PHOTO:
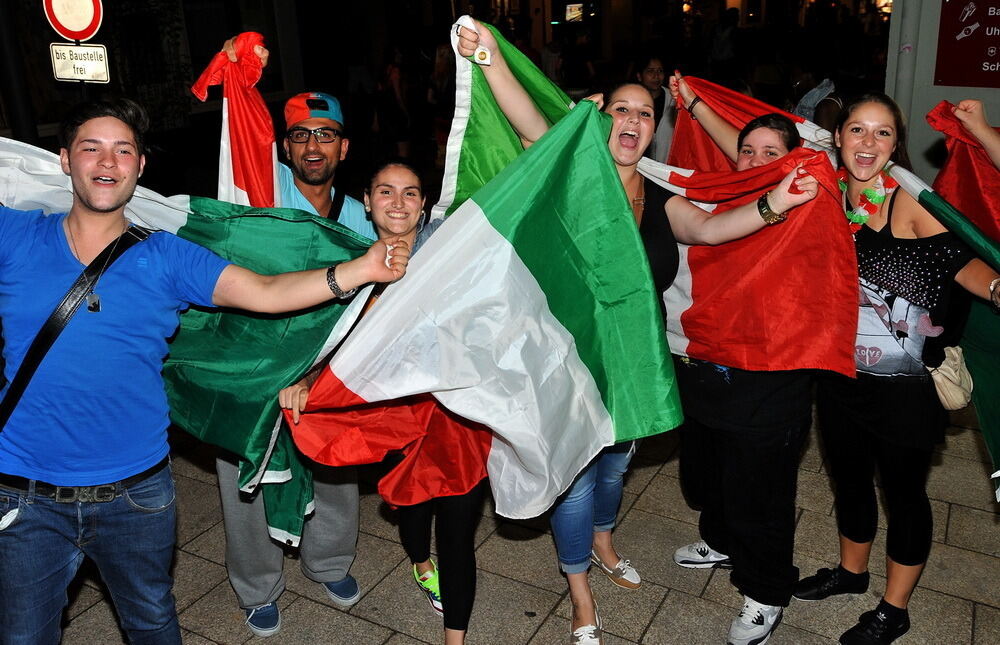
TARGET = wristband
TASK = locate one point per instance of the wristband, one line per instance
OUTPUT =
(994, 300)
(690, 108)
(766, 213)
(331, 281)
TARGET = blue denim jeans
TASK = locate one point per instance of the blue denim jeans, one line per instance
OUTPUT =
(590, 506)
(131, 539)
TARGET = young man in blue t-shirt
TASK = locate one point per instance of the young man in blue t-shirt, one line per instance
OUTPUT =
(83, 457)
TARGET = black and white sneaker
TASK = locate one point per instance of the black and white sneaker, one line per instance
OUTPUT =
(880, 626)
(754, 624)
(701, 556)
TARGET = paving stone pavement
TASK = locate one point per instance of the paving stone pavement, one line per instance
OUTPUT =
(521, 596)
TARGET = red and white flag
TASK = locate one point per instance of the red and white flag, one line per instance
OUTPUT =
(248, 156)
(783, 298)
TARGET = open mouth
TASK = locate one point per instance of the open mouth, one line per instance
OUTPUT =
(629, 139)
(105, 180)
(864, 159)
(397, 215)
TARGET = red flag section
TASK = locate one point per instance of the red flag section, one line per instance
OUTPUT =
(443, 454)
(783, 298)
(251, 132)
(968, 180)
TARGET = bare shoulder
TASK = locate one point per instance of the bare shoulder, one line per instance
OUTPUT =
(912, 219)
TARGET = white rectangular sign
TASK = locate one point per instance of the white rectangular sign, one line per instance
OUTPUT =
(88, 63)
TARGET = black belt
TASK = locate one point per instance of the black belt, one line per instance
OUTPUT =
(67, 494)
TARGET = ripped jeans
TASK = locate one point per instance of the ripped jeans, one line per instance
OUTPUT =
(131, 539)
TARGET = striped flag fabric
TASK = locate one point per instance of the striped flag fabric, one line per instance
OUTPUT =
(248, 155)
(525, 312)
(225, 368)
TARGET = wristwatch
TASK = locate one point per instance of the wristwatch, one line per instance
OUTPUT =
(766, 213)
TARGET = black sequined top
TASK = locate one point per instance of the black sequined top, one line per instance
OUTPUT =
(905, 284)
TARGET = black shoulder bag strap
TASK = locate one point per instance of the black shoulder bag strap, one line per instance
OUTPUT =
(336, 206)
(61, 315)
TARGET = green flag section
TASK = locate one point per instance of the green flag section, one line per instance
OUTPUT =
(482, 142)
(532, 311)
(225, 369)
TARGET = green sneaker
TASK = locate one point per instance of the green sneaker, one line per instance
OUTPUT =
(430, 583)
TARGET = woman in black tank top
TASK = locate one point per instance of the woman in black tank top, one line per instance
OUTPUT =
(890, 417)
(584, 518)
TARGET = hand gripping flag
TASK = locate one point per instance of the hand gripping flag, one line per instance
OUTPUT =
(225, 369)
(971, 182)
(530, 311)
(247, 153)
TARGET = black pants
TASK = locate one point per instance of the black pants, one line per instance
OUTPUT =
(856, 444)
(457, 517)
(744, 480)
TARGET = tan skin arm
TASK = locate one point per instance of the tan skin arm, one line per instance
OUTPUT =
(513, 100)
(915, 222)
(722, 133)
(241, 288)
(692, 225)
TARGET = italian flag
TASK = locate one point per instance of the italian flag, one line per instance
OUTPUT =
(530, 312)
(971, 182)
(225, 368)
(783, 298)
(247, 153)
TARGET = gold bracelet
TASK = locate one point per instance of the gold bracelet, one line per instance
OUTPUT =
(766, 213)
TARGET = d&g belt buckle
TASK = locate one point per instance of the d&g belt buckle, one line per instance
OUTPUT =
(69, 494)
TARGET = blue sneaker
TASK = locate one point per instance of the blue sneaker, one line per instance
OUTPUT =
(345, 592)
(265, 620)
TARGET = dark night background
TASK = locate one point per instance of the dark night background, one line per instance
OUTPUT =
(362, 52)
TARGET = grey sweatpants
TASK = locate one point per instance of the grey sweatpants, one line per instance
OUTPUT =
(329, 539)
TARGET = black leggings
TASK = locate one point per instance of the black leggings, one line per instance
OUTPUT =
(457, 517)
(854, 450)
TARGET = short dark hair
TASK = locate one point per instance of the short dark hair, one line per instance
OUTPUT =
(774, 121)
(900, 154)
(125, 110)
(395, 161)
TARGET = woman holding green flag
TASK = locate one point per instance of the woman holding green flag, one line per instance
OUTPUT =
(583, 518)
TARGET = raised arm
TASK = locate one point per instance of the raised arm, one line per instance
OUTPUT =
(513, 100)
(693, 225)
(722, 133)
(243, 289)
(972, 114)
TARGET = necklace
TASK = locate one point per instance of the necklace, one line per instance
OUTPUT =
(869, 201)
(94, 299)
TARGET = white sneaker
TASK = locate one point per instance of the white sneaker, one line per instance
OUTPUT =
(588, 634)
(754, 624)
(701, 556)
(622, 574)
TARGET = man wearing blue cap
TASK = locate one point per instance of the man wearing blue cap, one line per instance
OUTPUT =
(314, 144)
